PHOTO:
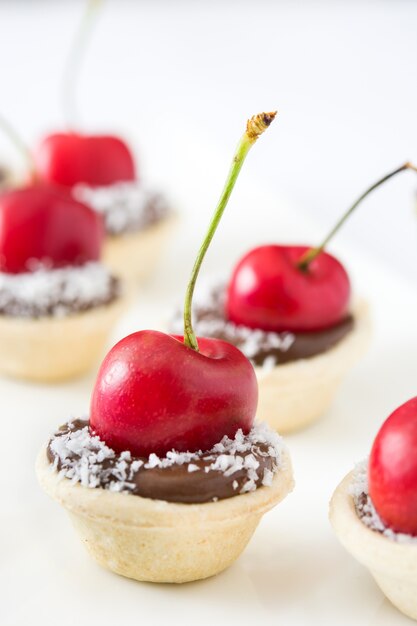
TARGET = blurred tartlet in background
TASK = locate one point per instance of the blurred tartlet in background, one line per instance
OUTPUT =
(100, 171)
(58, 302)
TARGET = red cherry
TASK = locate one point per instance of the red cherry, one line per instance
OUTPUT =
(393, 470)
(70, 158)
(269, 291)
(40, 223)
(153, 394)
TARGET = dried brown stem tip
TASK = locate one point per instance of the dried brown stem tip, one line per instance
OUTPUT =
(258, 124)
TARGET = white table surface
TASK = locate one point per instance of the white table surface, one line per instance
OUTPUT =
(294, 571)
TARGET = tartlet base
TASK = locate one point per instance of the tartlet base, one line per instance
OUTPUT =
(393, 565)
(296, 394)
(51, 349)
(135, 255)
(159, 541)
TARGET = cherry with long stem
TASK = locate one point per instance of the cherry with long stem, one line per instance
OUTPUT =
(75, 58)
(254, 128)
(312, 253)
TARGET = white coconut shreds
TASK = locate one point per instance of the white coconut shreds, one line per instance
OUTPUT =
(56, 292)
(209, 303)
(365, 509)
(125, 206)
(84, 458)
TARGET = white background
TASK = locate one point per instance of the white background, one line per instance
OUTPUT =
(179, 79)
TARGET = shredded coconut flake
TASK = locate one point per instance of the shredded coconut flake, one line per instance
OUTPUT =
(267, 478)
(84, 458)
(56, 292)
(125, 206)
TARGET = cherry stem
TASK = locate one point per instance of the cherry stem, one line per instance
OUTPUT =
(254, 128)
(18, 143)
(312, 253)
(74, 60)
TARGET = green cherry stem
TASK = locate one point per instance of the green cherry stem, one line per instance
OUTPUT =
(254, 128)
(312, 253)
(74, 60)
(20, 145)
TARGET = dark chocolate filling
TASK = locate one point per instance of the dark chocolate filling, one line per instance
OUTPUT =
(307, 344)
(176, 483)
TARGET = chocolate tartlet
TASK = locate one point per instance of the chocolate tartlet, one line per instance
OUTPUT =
(178, 518)
(298, 373)
(391, 557)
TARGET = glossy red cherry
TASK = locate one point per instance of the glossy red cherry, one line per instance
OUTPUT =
(269, 291)
(294, 288)
(45, 225)
(71, 158)
(153, 394)
(393, 470)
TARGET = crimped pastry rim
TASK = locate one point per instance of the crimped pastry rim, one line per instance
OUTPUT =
(133, 510)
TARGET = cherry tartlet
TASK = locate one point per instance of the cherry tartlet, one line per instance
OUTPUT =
(300, 360)
(173, 517)
(374, 509)
(100, 171)
(289, 309)
(58, 303)
(169, 478)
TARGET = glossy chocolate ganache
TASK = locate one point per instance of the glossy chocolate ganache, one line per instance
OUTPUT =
(231, 467)
(264, 349)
